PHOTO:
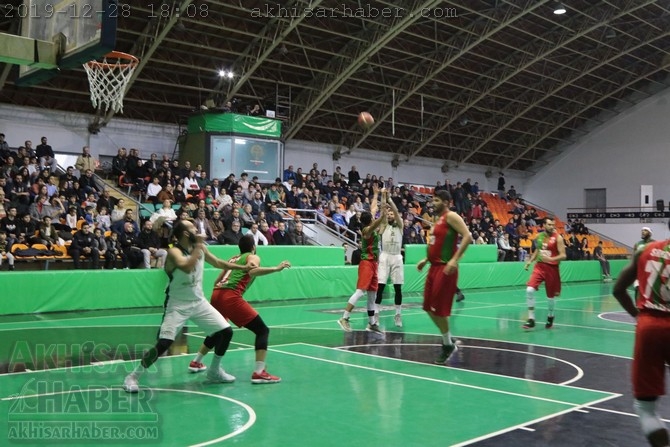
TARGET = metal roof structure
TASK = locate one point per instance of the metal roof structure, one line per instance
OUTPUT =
(505, 84)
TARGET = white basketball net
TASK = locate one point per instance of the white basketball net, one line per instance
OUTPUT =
(107, 80)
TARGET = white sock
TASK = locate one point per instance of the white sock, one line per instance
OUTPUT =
(198, 358)
(216, 362)
(531, 314)
(398, 309)
(260, 367)
(346, 314)
(446, 338)
(551, 304)
(139, 370)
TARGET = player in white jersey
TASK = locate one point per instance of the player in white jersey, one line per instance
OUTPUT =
(390, 258)
(185, 299)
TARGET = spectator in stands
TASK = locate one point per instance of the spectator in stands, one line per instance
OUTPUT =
(153, 190)
(119, 211)
(27, 227)
(84, 244)
(259, 238)
(120, 163)
(477, 239)
(4, 149)
(202, 227)
(216, 223)
(506, 252)
(353, 177)
(46, 156)
(273, 215)
(501, 187)
(281, 236)
(103, 220)
(511, 193)
(120, 226)
(85, 162)
(47, 234)
(68, 178)
(264, 228)
(100, 241)
(129, 243)
(202, 180)
(412, 237)
(585, 249)
(5, 251)
(232, 235)
(114, 252)
(599, 255)
(298, 235)
(152, 165)
(179, 194)
(246, 216)
(150, 246)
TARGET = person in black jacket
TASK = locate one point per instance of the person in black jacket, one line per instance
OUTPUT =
(150, 244)
(83, 244)
(129, 243)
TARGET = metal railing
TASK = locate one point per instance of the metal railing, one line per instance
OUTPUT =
(322, 223)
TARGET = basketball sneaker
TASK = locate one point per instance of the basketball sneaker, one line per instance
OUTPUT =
(196, 367)
(530, 324)
(447, 351)
(550, 323)
(459, 296)
(130, 384)
(373, 328)
(264, 377)
(220, 376)
(344, 324)
(398, 320)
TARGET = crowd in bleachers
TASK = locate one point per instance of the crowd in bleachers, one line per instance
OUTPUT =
(71, 214)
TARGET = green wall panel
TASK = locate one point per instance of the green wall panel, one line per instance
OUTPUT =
(52, 291)
(234, 123)
(474, 253)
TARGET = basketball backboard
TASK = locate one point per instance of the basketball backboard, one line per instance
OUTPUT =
(87, 30)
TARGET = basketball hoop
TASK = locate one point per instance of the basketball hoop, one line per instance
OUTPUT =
(108, 80)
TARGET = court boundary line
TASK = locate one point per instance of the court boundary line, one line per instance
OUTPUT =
(236, 432)
(611, 395)
(580, 372)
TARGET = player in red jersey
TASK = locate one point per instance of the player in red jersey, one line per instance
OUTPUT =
(549, 252)
(367, 269)
(227, 299)
(442, 279)
(651, 267)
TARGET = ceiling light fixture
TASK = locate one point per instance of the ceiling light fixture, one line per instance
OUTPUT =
(226, 74)
(560, 9)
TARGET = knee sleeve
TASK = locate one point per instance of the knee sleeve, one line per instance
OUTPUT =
(262, 331)
(222, 340)
(152, 354)
(398, 294)
(356, 296)
(530, 296)
(209, 342)
(646, 410)
(380, 293)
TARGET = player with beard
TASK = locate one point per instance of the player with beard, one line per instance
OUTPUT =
(390, 258)
(444, 252)
(184, 300)
(549, 252)
(651, 309)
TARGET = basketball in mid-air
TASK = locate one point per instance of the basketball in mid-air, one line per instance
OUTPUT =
(365, 120)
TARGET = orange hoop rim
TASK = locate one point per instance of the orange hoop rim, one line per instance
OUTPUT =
(132, 61)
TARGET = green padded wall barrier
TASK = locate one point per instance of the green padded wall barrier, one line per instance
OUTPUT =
(297, 255)
(53, 291)
(474, 253)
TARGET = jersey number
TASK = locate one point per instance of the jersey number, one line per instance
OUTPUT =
(653, 268)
